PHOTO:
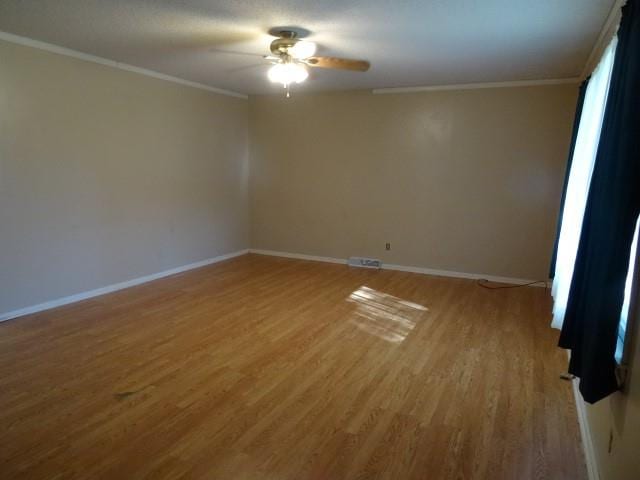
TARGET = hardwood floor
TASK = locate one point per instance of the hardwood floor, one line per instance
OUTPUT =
(271, 368)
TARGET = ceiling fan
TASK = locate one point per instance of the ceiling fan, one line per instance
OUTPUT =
(291, 55)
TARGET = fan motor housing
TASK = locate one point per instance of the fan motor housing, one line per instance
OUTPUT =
(282, 45)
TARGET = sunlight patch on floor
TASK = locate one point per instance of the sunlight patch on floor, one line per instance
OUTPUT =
(385, 316)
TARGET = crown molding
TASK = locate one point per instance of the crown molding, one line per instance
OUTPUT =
(475, 86)
(29, 42)
(607, 31)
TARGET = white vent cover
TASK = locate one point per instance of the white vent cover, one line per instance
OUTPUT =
(363, 262)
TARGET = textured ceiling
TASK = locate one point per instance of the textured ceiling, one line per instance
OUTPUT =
(408, 42)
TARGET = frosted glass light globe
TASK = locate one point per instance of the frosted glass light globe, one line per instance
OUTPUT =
(302, 50)
(288, 73)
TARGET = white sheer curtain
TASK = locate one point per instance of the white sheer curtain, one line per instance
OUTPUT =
(579, 179)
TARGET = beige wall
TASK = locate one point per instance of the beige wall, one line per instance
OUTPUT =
(619, 416)
(107, 175)
(465, 180)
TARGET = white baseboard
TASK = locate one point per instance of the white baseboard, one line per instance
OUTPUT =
(593, 472)
(116, 286)
(299, 256)
(148, 278)
(472, 276)
(402, 268)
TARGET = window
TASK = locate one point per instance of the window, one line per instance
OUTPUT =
(584, 156)
(624, 314)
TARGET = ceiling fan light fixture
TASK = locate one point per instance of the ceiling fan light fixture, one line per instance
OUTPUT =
(288, 73)
(302, 50)
(291, 56)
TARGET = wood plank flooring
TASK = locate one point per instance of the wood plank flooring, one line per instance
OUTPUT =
(270, 368)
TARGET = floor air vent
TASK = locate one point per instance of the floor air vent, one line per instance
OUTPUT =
(364, 262)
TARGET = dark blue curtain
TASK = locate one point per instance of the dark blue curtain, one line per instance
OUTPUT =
(572, 147)
(597, 288)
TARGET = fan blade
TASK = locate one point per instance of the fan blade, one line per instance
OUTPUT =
(341, 63)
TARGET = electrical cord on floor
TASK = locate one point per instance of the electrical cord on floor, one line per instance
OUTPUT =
(484, 283)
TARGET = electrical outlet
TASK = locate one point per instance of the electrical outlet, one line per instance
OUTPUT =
(387, 246)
